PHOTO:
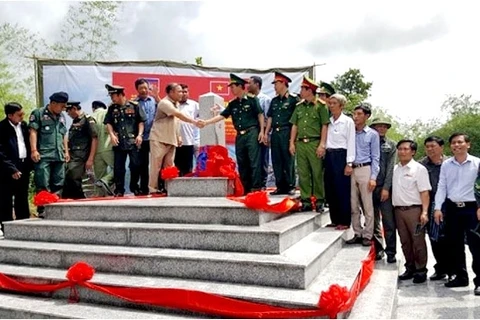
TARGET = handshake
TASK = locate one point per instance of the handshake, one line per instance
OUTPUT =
(199, 123)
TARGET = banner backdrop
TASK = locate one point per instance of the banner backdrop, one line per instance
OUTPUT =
(85, 81)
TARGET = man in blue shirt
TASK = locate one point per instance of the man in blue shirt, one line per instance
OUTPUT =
(149, 105)
(364, 177)
(456, 189)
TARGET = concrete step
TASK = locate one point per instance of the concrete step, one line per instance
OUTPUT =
(199, 187)
(272, 238)
(342, 270)
(296, 267)
(378, 300)
(161, 210)
(14, 306)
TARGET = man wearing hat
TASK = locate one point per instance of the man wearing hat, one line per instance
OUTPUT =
(307, 141)
(248, 120)
(103, 162)
(125, 125)
(279, 114)
(382, 195)
(82, 145)
(48, 143)
(325, 91)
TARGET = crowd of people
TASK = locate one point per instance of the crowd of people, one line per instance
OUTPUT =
(369, 182)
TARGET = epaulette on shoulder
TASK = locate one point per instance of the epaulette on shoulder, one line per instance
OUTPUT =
(135, 103)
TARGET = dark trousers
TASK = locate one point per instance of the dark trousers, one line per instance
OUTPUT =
(120, 157)
(440, 246)
(458, 222)
(337, 187)
(247, 151)
(282, 161)
(414, 246)
(73, 180)
(265, 158)
(184, 159)
(383, 212)
(144, 167)
(11, 188)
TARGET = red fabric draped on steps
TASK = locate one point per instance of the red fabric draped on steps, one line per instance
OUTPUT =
(335, 300)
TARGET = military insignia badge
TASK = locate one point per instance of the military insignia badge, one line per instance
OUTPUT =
(32, 117)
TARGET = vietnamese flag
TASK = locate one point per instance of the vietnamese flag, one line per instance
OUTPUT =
(220, 87)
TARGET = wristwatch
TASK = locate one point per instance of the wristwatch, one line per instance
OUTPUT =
(350, 164)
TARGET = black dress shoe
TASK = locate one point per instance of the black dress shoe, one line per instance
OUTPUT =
(118, 195)
(306, 207)
(407, 275)
(319, 207)
(476, 291)
(366, 242)
(355, 240)
(379, 256)
(420, 278)
(438, 276)
(457, 282)
(391, 258)
(276, 192)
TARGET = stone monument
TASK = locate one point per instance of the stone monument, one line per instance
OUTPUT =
(210, 106)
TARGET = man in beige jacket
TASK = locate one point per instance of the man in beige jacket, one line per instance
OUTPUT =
(165, 135)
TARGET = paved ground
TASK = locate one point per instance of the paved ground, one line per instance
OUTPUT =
(432, 300)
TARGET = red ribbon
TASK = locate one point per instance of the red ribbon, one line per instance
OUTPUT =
(258, 200)
(169, 173)
(332, 302)
(44, 197)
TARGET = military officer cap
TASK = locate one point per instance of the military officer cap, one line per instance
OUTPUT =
(98, 104)
(234, 79)
(281, 77)
(60, 97)
(381, 121)
(114, 89)
(71, 104)
(309, 83)
(326, 88)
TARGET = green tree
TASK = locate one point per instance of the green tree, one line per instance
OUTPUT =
(352, 84)
(89, 31)
(199, 61)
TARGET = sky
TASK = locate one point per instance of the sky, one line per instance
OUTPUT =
(415, 52)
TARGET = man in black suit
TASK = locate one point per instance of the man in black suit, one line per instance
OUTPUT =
(15, 164)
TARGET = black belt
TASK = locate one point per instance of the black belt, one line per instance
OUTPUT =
(281, 128)
(359, 165)
(405, 208)
(246, 130)
(336, 150)
(461, 204)
(308, 139)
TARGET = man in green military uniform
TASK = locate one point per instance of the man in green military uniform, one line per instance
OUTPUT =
(325, 91)
(279, 114)
(247, 117)
(125, 125)
(382, 195)
(307, 141)
(82, 145)
(48, 143)
(103, 162)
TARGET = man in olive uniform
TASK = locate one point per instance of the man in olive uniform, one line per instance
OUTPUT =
(279, 114)
(248, 120)
(325, 91)
(48, 143)
(103, 162)
(82, 145)
(125, 125)
(382, 195)
(307, 141)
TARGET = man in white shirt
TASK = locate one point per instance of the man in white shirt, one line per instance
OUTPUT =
(189, 132)
(456, 189)
(411, 198)
(15, 164)
(339, 158)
